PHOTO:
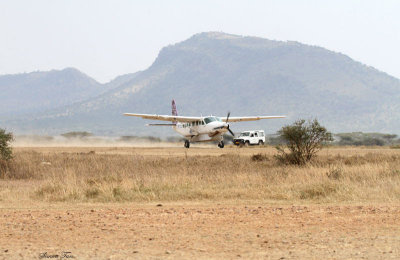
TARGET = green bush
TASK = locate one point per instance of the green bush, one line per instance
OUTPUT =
(303, 140)
(77, 135)
(5, 148)
(367, 139)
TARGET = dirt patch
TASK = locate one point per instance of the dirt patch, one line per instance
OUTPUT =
(207, 230)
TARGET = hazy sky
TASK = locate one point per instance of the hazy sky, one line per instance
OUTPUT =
(109, 38)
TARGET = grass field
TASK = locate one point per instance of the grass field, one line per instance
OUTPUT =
(202, 203)
(112, 174)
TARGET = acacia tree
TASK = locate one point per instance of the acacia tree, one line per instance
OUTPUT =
(5, 148)
(303, 140)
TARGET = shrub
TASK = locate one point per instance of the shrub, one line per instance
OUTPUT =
(77, 135)
(367, 139)
(5, 148)
(259, 157)
(303, 139)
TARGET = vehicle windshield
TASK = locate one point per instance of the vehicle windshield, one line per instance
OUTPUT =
(211, 119)
(245, 134)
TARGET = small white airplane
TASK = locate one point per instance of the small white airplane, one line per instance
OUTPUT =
(199, 129)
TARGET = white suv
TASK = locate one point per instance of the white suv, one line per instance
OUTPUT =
(254, 137)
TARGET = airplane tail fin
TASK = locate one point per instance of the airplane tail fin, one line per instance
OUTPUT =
(174, 111)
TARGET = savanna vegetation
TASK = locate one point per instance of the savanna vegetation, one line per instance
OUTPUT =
(175, 174)
(5, 145)
(77, 134)
(350, 139)
(302, 140)
(367, 139)
(5, 150)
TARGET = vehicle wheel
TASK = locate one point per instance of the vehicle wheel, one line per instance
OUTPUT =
(221, 144)
(247, 143)
(260, 142)
(187, 144)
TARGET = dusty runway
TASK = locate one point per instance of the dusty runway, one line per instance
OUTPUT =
(216, 204)
(206, 230)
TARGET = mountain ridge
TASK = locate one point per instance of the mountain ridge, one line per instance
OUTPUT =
(212, 73)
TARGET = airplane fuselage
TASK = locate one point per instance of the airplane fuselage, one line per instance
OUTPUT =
(204, 130)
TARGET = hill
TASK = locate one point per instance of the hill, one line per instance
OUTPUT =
(39, 91)
(212, 73)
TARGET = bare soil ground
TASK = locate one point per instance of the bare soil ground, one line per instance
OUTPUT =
(201, 231)
(336, 225)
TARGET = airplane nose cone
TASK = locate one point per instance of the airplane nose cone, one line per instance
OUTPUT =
(221, 125)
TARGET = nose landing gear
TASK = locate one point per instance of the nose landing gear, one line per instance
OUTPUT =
(221, 144)
(187, 144)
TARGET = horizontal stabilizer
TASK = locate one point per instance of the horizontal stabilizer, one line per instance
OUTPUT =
(166, 118)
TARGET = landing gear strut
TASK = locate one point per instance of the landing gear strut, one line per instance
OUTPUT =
(187, 144)
(221, 144)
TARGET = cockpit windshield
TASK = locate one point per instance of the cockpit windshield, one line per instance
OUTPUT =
(245, 134)
(211, 119)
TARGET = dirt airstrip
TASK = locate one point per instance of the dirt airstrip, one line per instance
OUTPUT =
(199, 228)
(205, 230)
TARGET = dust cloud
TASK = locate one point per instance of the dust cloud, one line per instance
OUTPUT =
(98, 141)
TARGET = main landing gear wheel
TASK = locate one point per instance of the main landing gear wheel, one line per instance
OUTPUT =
(221, 144)
(187, 144)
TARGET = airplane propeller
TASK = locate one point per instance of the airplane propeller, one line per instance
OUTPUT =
(226, 126)
(227, 118)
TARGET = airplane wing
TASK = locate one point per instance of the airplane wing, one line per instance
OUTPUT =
(166, 118)
(249, 118)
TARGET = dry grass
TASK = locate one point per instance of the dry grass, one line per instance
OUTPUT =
(176, 174)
